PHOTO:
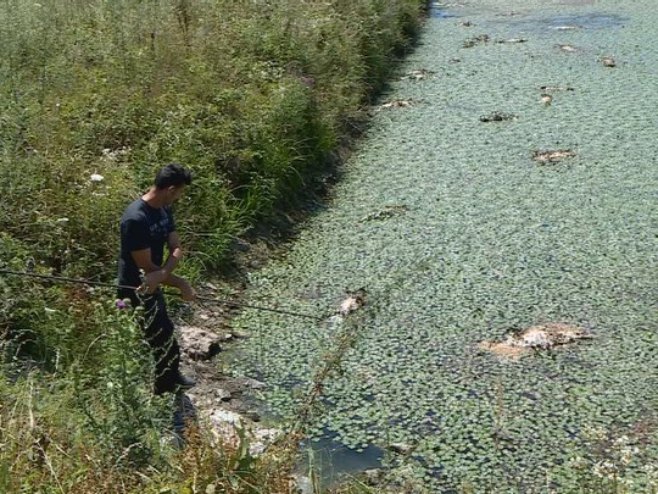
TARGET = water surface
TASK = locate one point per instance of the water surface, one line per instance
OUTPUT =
(489, 240)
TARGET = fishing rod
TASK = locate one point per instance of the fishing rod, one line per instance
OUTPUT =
(230, 303)
(64, 279)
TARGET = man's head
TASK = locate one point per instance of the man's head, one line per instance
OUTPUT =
(170, 182)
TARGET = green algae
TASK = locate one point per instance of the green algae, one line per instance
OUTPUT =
(489, 241)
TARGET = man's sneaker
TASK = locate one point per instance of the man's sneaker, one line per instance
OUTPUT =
(185, 382)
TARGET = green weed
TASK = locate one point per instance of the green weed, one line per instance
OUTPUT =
(94, 97)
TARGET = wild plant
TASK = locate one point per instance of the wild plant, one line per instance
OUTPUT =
(94, 96)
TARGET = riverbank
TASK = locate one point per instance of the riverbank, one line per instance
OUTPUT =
(256, 98)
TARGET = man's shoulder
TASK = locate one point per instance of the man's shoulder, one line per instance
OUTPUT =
(134, 212)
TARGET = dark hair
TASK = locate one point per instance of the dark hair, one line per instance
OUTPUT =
(172, 174)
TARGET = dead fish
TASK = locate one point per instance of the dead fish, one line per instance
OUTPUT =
(568, 48)
(553, 156)
(419, 75)
(476, 40)
(354, 301)
(401, 448)
(547, 336)
(397, 103)
(608, 62)
(387, 212)
(566, 28)
(497, 117)
(512, 40)
(546, 99)
(540, 337)
(511, 13)
(548, 89)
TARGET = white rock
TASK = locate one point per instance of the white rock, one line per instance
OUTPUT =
(223, 418)
(303, 484)
(222, 394)
(199, 343)
(262, 439)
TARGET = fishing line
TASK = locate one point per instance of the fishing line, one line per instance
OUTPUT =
(230, 303)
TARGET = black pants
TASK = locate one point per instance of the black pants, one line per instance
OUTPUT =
(159, 333)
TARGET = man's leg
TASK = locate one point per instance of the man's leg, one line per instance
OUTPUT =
(159, 332)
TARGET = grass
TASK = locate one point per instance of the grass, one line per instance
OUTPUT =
(251, 96)
(255, 97)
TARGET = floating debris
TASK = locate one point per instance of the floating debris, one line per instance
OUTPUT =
(353, 302)
(455, 60)
(419, 75)
(95, 177)
(547, 97)
(547, 336)
(398, 103)
(387, 212)
(476, 40)
(553, 156)
(566, 28)
(608, 62)
(502, 349)
(548, 89)
(401, 448)
(567, 48)
(497, 117)
(466, 24)
(512, 40)
(540, 337)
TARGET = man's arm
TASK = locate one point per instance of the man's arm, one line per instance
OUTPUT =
(156, 275)
(175, 255)
(175, 252)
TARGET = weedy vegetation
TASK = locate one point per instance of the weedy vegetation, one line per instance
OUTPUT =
(256, 97)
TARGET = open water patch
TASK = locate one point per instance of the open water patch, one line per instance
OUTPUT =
(440, 11)
(551, 23)
(334, 461)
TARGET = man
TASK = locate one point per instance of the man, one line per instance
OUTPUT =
(147, 225)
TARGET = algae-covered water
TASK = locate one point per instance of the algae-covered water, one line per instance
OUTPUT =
(484, 239)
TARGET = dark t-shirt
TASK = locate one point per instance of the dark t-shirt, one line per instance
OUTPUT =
(142, 227)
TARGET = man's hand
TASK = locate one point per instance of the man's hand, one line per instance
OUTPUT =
(152, 280)
(187, 293)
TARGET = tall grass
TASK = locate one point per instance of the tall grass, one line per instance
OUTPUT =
(253, 96)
